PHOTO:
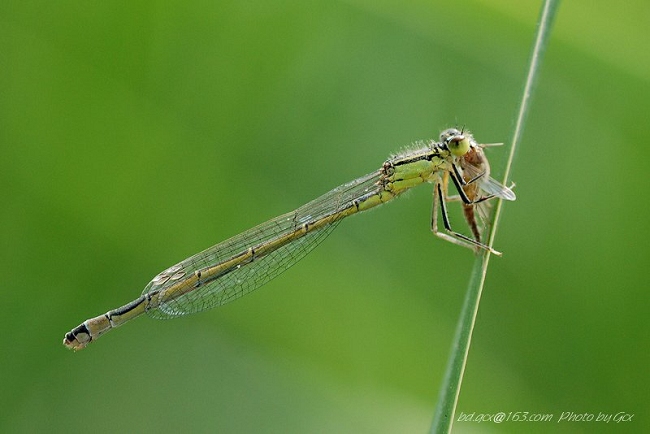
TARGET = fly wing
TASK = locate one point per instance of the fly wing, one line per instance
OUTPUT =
(494, 187)
(475, 166)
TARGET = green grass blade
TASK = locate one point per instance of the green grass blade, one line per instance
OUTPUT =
(450, 390)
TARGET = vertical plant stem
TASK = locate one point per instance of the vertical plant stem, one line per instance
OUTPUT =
(450, 390)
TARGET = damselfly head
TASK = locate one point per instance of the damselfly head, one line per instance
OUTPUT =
(458, 142)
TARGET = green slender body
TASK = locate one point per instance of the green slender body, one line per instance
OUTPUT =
(241, 264)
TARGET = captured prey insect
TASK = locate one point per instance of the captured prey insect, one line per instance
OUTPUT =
(247, 261)
(473, 165)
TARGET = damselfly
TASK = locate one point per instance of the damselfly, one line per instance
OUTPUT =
(247, 261)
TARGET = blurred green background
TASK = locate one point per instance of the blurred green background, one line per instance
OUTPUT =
(135, 134)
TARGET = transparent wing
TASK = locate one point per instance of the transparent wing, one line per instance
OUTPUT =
(486, 183)
(475, 165)
(251, 275)
(494, 187)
